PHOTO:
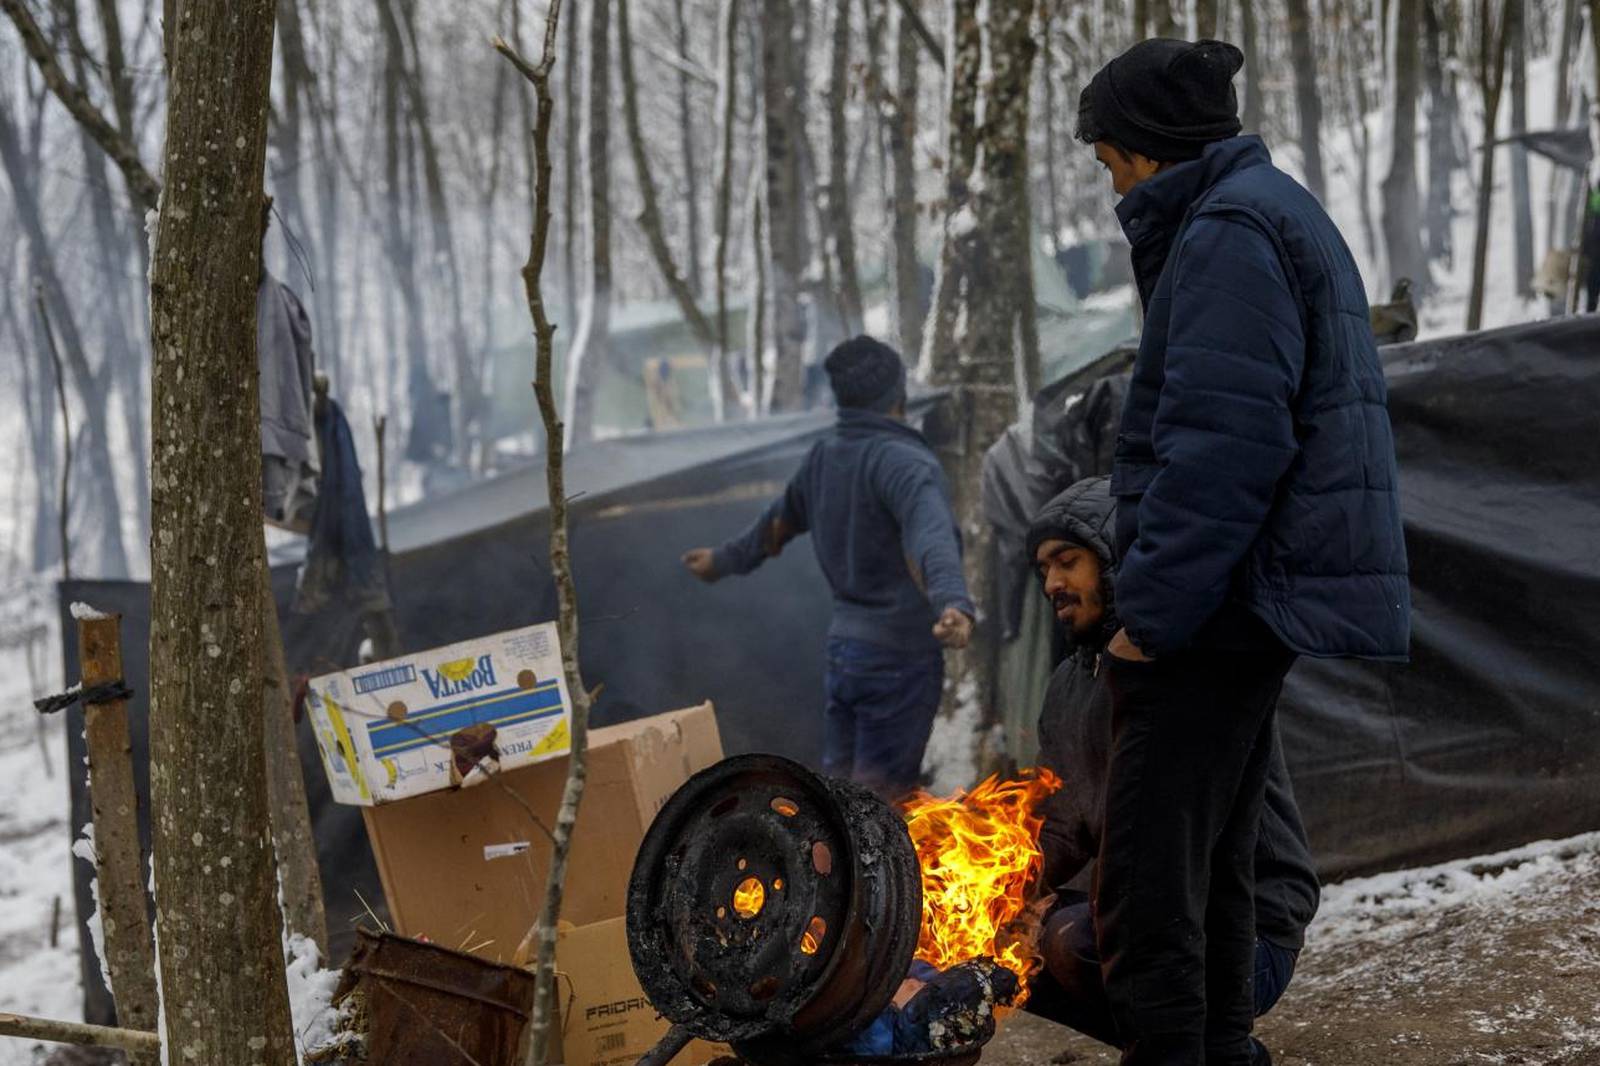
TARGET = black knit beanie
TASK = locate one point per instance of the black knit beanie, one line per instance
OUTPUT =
(1164, 99)
(866, 373)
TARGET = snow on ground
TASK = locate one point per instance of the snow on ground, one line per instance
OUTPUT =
(35, 863)
(1488, 960)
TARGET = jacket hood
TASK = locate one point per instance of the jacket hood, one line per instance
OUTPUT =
(1084, 514)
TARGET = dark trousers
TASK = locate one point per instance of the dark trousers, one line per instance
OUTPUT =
(1071, 991)
(881, 705)
(1174, 898)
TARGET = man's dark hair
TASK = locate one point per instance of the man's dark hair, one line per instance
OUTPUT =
(866, 373)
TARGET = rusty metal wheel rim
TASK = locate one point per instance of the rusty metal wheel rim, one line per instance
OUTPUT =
(711, 960)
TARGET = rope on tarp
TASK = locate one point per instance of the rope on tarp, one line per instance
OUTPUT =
(105, 692)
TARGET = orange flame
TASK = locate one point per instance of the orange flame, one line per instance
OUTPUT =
(980, 859)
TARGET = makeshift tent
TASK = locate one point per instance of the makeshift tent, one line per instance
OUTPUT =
(1490, 736)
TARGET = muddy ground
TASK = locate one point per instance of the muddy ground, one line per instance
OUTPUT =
(1493, 960)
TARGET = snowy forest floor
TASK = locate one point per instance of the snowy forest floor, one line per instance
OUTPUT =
(1489, 960)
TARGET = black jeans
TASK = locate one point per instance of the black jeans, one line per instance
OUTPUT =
(1071, 991)
(1174, 890)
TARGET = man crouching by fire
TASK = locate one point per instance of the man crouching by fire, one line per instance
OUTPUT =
(1070, 545)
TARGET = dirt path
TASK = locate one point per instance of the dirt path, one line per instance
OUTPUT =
(1492, 960)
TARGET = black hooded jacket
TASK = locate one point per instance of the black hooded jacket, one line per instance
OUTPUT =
(1075, 743)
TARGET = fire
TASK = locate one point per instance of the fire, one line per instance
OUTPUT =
(980, 859)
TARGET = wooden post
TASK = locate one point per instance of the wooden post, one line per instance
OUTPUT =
(119, 864)
(299, 879)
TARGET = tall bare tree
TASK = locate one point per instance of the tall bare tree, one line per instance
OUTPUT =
(1491, 70)
(1307, 95)
(1254, 71)
(223, 992)
(787, 247)
(1402, 211)
(591, 347)
(1521, 194)
(688, 142)
(841, 240)
(965, 59)
(724, 389)
(909, 305)
(1442, 158)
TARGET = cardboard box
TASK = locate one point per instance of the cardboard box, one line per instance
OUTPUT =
(466, 868)
(607, 1021)
(439, 718)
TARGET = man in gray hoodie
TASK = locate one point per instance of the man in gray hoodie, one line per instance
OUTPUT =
(1071, 547)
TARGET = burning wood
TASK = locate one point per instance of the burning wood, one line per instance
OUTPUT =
(980, 860)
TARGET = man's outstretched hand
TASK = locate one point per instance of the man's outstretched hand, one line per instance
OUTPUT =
(699, 562)
(953, 629)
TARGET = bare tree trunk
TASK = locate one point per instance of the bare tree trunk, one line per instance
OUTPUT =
(1250, 42)
(841, 223)
(1492, 43)
(1352, 73)
(1307, 97)
(220, 937)
(757, 324)
(591, 347)
(787, 249)
(909, 306)
(1521, 197)
(1559, 222)
(571, 183)
(983, 372)
(430, 430)
(723, 389)
(447, 273)
(100, 474)
(44, 550)
(1402, 214)
(546, 1015)
(650, 221)
(1047, 76)
(939, 353)
(687, 143)
(1441, 137)
(293, 843)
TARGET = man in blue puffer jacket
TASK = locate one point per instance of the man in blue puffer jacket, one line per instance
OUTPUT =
(1257, 520)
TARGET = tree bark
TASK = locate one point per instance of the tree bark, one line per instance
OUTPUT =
(909, 306)
(961, 148)
(1441, 137)
(1250, 43)
(1521, 197)
(982, 371)
(841, 223)
(293, 842)
(100, 474)
(118, 860)
(571, 182)
(591, 347)
(1307, 97)
(58, 1032)
(723, 389)
(687, 145)
(1402, 214)
(1491, 78)
(650, 221)
(787, 249)
(547, 1016)
(220, 935)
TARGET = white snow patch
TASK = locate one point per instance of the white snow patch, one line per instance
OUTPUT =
(85, 613)
(310, 995)
(83, 848)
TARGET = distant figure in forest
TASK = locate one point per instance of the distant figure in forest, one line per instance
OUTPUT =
(874, 499)
(1257, 519)
(289, 463)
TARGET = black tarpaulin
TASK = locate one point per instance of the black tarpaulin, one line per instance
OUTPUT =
(1490, 736)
